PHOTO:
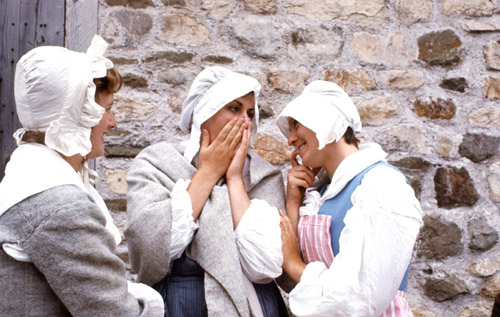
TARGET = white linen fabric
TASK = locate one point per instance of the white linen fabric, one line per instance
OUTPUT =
(324, 108)
(55, 93)
(212, 89)
(258, 235)
(376, 242)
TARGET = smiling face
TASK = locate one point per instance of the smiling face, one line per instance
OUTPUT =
(105, 99)
(243, 107)
(304, 140)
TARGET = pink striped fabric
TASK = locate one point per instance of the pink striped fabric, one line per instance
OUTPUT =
(316, 245)
(311, 234)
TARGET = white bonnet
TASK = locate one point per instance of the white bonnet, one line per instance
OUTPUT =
(212, 89)
(55, 93)
(324, 108)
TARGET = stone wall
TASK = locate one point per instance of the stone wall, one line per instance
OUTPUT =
(424, 74)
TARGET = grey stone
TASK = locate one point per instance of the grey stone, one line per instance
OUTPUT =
(137, 23)
(135, 81)
(454, 188)
(440, 48)
(482, 236)
(216, 59)
(439, 239)
(174, 57)
(478, 147)
(444, 286)
(457, 84)
(116, 204)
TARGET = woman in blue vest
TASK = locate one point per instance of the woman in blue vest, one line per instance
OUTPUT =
(356, 230)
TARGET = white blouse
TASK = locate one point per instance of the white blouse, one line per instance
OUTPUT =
(376, 243)
(258, 235)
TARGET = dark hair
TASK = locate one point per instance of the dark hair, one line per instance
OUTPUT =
(111, 83)
(34, 137)
(350, 138)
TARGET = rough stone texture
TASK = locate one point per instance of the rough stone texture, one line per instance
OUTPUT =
(403, 138)
(476, 311)
(440, 48)
(403, 79)
(444, 286)
(357, 80)
(260, 36)
(439, 239)
(480, 26)
(115, 179)
(474, 8)
(435, 109)
(454, 188)
(136, 23)
(260, 6)
(443, 144)
(371, 49)
(287, 80)
(478, 147)
(136, 4)
(457, 84)
(494, 180)
(135, 81)
(127, 109)
(121, 151)
(217, 59)
(336, 9)
(184, 31)
(422, 312)
(482, 236)
(487, 117)
(415, 10)
(492, 88)
(376, 110)
(271, 149)
(491, 288)
(388, 49)
(491, 53)
(485, 269)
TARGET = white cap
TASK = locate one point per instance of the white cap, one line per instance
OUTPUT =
(212, 89)
(55, 93)
(324, 108)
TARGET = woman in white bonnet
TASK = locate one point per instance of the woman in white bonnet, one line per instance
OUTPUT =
(357, 228)
(203, 222)
(57, 236)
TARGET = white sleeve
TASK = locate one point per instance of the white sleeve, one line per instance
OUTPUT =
(376, 246)
(258, 238)
(183, 224)
(150, 297)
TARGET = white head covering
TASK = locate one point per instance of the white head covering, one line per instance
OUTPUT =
(55, 93)
(324, 108)
(211, 90)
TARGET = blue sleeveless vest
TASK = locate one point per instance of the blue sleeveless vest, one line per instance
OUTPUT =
(337, 207)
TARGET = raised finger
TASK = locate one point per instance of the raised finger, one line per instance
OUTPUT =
(293, 158)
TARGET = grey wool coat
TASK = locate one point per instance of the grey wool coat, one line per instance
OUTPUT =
(74, 270)
(151, 178)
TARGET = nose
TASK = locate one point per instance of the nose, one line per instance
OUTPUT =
(112, 121)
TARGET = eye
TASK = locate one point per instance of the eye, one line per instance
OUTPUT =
(251, 114)
(295, 123)
(234, 108)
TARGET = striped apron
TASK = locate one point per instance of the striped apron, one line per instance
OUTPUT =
(319, 238)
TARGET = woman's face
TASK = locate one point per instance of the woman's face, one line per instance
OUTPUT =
(104, 99)
(243, 107)
(305, 141)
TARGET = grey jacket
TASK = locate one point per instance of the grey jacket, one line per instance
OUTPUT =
(151, 178)
(74, 269)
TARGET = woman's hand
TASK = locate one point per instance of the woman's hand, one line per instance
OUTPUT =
(292, 261)
(235, 169)
(299, 178)
(216, 155)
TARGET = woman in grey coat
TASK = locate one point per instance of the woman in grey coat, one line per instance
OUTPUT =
(203, 222)
(57, 236)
